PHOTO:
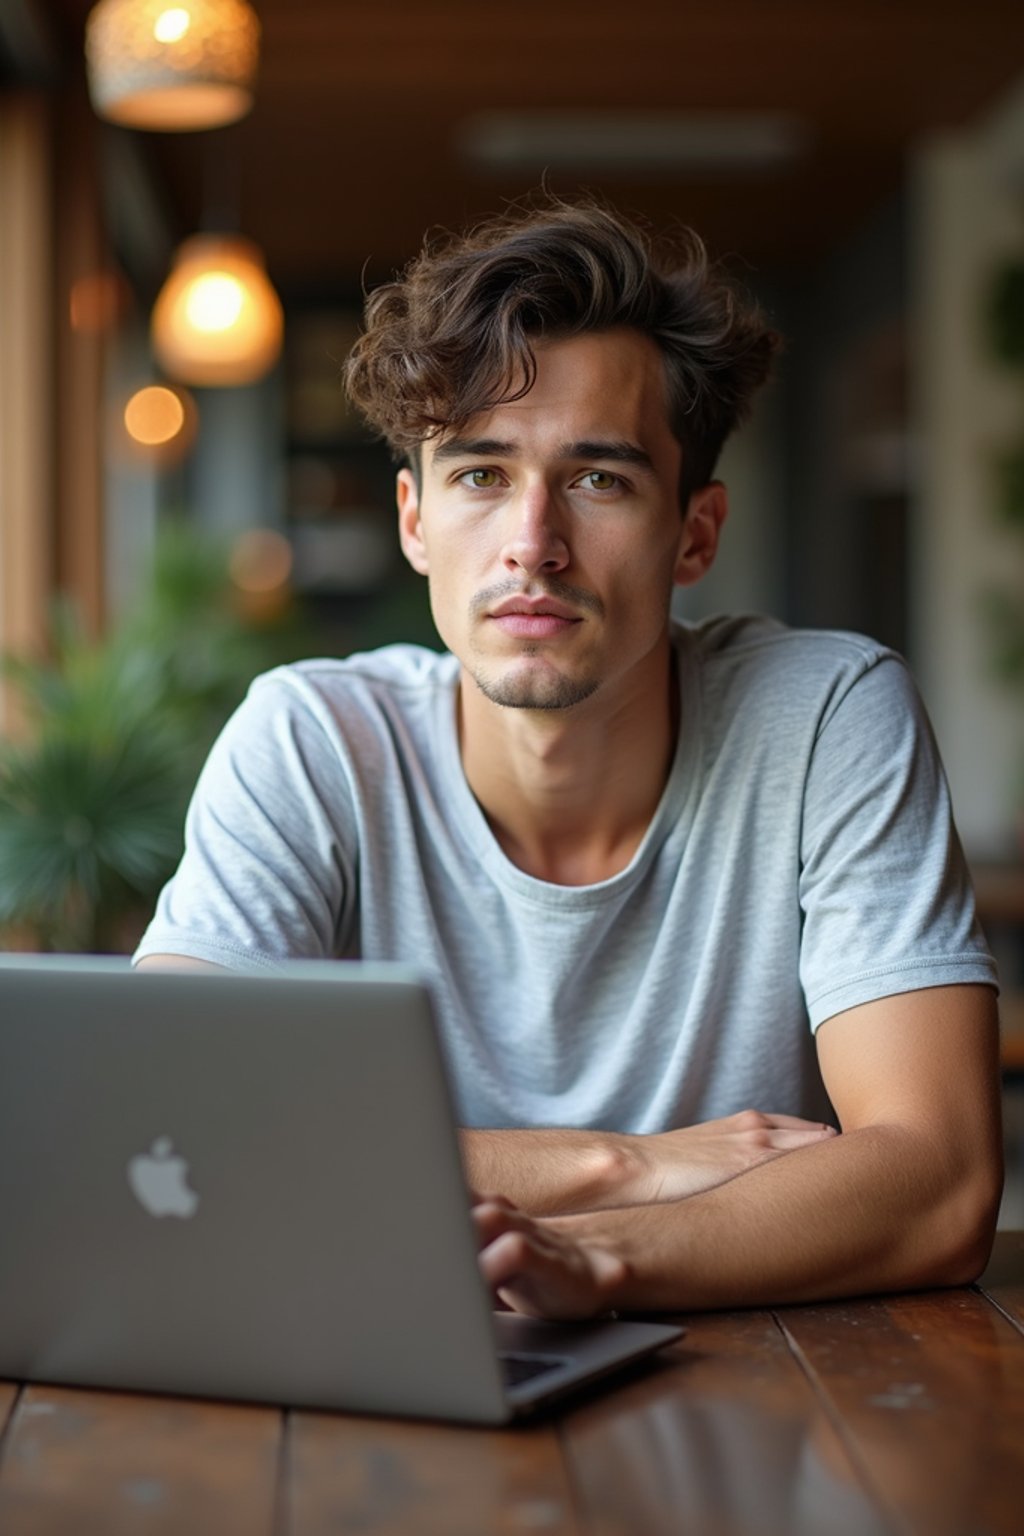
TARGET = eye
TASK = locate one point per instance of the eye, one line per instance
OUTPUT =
(600, 480)
(479, 479)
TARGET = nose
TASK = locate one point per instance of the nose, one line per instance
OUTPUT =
(534, 537)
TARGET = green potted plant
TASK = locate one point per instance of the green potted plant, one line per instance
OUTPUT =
(92, 801)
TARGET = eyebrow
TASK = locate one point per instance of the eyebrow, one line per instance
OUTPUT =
(617, 452)
(474, 448)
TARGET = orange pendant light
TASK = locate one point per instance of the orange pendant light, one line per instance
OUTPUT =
(217, 319)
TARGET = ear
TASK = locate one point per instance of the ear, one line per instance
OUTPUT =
(705, 513)
(410, 528)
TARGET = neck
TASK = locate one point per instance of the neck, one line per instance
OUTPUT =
(570, 793)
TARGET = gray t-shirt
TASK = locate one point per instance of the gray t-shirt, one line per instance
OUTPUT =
(802, 860)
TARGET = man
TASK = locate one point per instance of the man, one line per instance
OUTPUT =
(642, 861)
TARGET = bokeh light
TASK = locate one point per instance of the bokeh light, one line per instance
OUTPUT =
(260, 561)
(156, 426)
(154, 415)
(217, 320)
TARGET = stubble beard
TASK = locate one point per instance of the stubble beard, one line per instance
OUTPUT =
(535, 691)
(534, 687)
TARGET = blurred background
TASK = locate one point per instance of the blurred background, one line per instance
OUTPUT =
(186, 230)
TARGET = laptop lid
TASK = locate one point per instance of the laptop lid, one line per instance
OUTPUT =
(242, 1187)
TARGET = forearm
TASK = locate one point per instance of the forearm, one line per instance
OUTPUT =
(549, 1172)
(874, 1210)
(544, 1172)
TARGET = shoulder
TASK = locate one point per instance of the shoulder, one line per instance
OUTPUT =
(395, 678)
(756, 642)
(390, 668)
(326, 710)
(789, 669)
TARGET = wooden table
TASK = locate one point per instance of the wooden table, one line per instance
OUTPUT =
(900, 1415)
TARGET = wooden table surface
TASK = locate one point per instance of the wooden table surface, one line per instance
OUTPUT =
(899, 1414)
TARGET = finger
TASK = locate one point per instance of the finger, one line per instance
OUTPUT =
(533, 1282)
(511, 1256)
(794, 1123)
(545, 1279)
(801, 1138)
(526, 1298)
(489, 1222)
(477, 1197)
(493, 1218)
(764, 1143)
(526, 1248)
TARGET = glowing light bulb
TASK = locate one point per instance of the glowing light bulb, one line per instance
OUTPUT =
(171, 25)
(217, 320)
(215, 301)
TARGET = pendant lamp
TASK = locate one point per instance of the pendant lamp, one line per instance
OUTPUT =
(169, 67)
(217, 319)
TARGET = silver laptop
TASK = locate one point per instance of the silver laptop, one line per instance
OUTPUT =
(250, 1187)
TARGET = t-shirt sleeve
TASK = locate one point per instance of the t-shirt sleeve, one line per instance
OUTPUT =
(884, 889)
(268, 871)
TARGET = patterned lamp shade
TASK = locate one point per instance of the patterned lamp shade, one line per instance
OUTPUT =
(170, 67)
(217, 319)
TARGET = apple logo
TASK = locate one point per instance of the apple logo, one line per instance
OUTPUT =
(159, 1183)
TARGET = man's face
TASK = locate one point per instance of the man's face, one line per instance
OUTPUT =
(550, 528)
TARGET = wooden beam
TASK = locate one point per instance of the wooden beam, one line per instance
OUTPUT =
(26, 378)
(86, 303)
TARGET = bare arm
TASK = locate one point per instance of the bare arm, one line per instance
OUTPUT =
(548, 1172)
(555, 1172)
(905, 1197)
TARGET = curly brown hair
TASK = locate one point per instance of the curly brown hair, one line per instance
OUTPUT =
(450, 338)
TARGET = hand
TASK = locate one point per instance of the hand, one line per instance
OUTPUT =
(674, 1164)
(535, 1268)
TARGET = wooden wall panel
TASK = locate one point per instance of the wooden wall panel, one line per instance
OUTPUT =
(83, 314)
(26, 376)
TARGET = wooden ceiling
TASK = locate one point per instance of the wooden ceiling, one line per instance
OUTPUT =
(352, 149)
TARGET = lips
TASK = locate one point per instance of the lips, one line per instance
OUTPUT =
(533, 607)
(533, 626)
(533, 618)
